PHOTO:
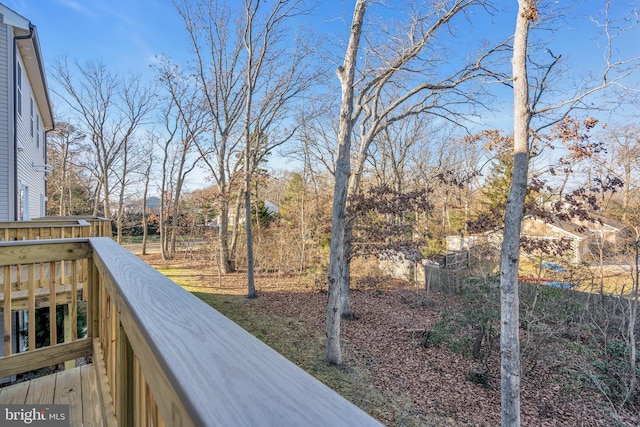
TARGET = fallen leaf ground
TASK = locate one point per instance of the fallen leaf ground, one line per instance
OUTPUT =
(387, 371)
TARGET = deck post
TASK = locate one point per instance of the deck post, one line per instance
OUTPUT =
(124, 405)
(92, 297)
(68, 336)
(7, 311)
(53, 327)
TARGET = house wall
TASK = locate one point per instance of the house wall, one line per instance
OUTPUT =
(6, 109)
(459, 243)
(604, 233)
(31, 151)
(31, 146)
(540, 230)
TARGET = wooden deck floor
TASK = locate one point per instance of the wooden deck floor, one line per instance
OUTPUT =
(76, 387)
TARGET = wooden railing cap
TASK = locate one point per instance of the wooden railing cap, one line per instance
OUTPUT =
(202, 368)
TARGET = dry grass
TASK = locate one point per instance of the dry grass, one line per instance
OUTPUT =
(608, 279)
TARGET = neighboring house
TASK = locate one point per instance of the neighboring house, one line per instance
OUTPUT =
(580, 237)
(605, 230)
(459, 242)
(25, 116)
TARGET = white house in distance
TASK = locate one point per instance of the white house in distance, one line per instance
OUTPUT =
(25, 116)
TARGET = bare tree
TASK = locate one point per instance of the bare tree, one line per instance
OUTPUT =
(393, 148)
(626, 153)
(165, 142)
(272, 86)
(149, 150)
(64, 146)
(110, 110)
(219, 74)
(93, 99)
(346, 73)
(393, 87)
(137, 103)
(510, 254)
(317, 136)
(185, 121)
(526, 108)
(249, 76)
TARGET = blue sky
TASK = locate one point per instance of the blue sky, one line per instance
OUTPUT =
(127, 34)
(124, 34)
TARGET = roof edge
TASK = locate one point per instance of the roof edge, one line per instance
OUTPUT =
(11, 17)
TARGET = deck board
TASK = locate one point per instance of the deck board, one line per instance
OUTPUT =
(68, 389)
(41, 390)
(91, 413)
(15, 394)
(75, 387)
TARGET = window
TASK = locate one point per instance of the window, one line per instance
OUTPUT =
(31, 114)
(21, 203)
(37, 131)
(25, 205)
(19, 87)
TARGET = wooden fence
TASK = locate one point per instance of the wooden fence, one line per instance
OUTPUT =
(163, 357)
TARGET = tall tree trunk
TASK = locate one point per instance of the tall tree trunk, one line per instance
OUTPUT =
(123, 187)
(163, 200)
(346, 74)
(235, 232)
(145, 218)
(345, 282)
(251, 287)
(225, 262)
(510, 254)
(175, 213)
(303, 218)
(303, 226)
(633, 313)
(63, 181)
(252, 69)
(626, 189)
(163, 226)
(105, 191)
(96, 199)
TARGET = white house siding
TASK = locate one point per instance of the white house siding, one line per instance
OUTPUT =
(6, 109)
(31, 177)
(30, 158)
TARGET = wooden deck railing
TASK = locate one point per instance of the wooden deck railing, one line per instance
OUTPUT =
(163, 356)
(55, 228)
(98, 226)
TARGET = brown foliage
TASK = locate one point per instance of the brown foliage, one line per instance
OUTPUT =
(385, 220)
(435, 382)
